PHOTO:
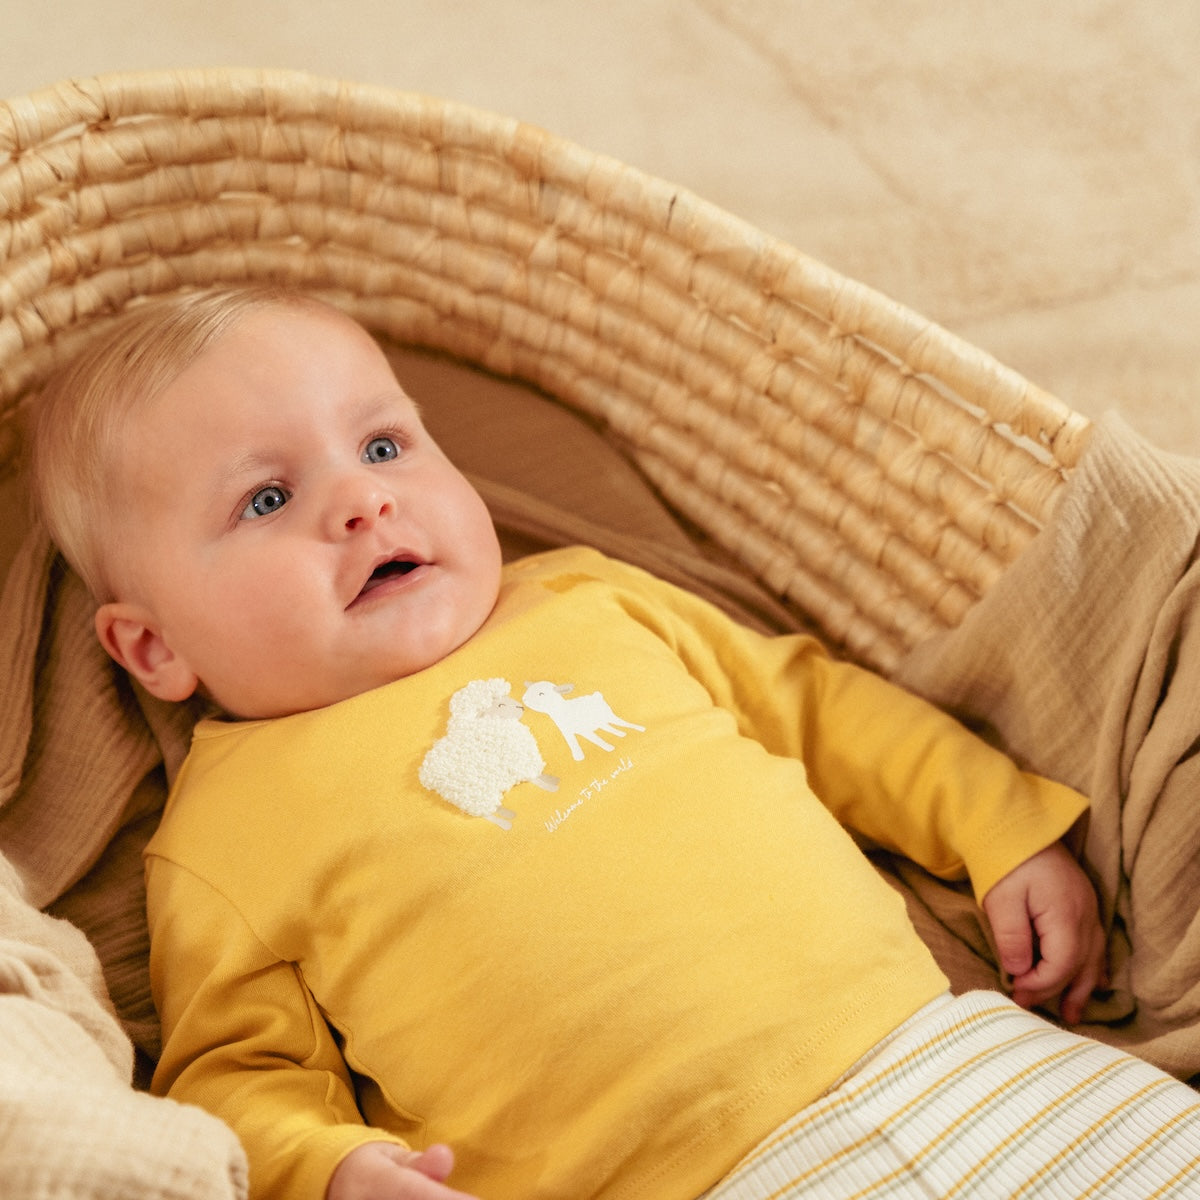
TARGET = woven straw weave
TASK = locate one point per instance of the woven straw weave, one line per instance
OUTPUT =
(862, 463)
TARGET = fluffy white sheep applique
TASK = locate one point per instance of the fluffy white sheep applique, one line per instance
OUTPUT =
(485, 751)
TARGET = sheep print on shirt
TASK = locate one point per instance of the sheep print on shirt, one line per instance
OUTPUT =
(576, 900)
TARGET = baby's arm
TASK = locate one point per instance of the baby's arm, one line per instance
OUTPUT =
(907, 777)
(1047, 929)
(244, 1038)
(382, 1171)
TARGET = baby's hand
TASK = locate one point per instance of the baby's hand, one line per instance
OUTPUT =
(384, 1171)
(1047, 930)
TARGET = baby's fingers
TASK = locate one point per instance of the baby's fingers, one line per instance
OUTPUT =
(437, 1162)
(1092, 976)
(1065, 976)
(1013, 934)
(383, 1171)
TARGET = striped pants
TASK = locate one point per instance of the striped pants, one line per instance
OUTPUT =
(975, 1098)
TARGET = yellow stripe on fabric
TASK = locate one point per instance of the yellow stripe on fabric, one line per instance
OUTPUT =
(971, 1116)
(1069, 1151)
(1118, 1170)
(1191, 1171)
(829, 1111)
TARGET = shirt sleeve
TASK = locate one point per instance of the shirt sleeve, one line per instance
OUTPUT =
(244, 1039)
(893, 768)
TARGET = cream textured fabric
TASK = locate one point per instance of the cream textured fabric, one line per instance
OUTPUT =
(1084, 663)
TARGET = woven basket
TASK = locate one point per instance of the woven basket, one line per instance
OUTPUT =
(864, 465)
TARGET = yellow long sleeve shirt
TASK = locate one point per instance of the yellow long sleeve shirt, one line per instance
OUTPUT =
(601, 931)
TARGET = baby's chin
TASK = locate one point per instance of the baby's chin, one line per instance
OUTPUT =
(268, 698)
(267, 707)
(266, 704)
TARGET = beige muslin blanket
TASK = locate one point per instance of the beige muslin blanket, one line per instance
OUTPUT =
(1084, 663)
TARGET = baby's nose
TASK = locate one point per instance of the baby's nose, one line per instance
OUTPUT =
(358, 505)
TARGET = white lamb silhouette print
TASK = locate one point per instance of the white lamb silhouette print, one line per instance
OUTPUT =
(485, 751)
(577, 717)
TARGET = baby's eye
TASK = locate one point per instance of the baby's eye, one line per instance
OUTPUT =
(380, 449)
(266, 500)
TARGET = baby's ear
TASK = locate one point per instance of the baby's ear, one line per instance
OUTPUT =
(130, 635)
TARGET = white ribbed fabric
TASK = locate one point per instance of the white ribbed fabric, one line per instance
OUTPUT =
(976, 1098)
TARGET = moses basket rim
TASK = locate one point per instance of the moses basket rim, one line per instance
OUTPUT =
(865, 465)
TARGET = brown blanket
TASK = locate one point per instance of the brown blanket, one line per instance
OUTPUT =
(1084, 663)
(73, 760)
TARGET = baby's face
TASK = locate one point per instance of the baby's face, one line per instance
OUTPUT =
(297, 535)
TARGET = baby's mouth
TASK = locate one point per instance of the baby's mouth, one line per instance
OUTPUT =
(391, 569)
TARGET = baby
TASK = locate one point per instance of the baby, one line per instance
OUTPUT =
(539, 874)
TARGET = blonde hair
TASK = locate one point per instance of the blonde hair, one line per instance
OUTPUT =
(85, 407)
